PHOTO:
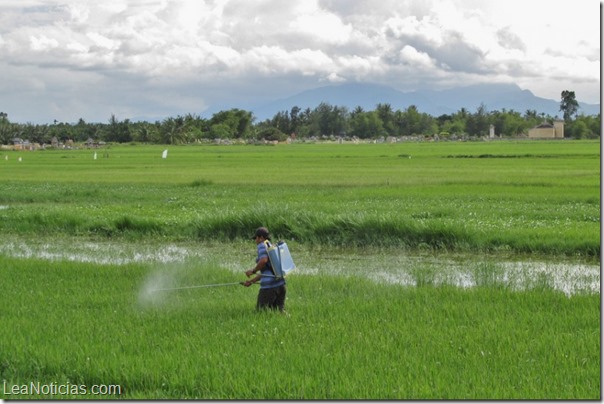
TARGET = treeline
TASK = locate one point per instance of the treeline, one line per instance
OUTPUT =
(324, 120)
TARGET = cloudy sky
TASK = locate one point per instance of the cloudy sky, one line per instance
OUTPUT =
(151, 59)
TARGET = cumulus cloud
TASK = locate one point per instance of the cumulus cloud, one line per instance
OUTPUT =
(156, 57)
(411, 56)
(42, 43)
(321, 27)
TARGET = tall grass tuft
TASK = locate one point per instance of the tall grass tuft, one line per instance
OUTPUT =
(353, 230)
(488, 274)
(200, 183)
(423, 275)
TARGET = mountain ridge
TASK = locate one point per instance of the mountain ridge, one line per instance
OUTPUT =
(434, 102)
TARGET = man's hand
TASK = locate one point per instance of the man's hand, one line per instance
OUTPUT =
(249, 272)
(247, 283)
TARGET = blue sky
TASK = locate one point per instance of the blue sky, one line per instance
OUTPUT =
(151, 59)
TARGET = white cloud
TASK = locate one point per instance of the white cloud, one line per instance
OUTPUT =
(276, 60)
(322, 27)
(211, 48)
(76, 48)
(409, 55)
(43, 43)
(102, 41)
(79, 13)
(358, 67)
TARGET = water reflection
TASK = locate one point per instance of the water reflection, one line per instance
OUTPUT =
(383, 266)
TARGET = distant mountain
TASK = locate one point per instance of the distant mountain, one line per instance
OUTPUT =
(435, 103)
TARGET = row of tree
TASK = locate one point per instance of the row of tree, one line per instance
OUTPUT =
(324, 120)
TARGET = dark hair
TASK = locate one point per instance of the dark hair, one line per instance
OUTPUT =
(262, 232)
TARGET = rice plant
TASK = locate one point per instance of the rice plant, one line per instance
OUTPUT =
(411, 283)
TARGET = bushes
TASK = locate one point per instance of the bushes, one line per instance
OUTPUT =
(356, 229)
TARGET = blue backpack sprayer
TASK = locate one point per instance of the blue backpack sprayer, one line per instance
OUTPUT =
(279, 256)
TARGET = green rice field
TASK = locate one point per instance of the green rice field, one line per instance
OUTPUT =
(452, 270)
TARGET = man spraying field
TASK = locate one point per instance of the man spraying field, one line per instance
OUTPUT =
(273, 263)
(272, 288)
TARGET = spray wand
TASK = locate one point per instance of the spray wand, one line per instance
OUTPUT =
(207, 286)
(199, 286)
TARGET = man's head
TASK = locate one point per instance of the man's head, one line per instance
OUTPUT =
(261, 234)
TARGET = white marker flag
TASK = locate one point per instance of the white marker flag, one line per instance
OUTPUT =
(164, 155)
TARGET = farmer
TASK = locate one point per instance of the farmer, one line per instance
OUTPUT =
(272, 290)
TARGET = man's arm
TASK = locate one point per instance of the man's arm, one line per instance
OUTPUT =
(249, 282)
(261, 263)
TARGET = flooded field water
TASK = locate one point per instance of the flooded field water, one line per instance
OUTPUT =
(383, 266)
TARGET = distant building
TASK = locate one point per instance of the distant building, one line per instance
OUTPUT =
(17, 143)
(548, 131)
(20, 144)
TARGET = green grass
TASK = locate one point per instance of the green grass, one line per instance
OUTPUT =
(349, 213)
(543, 199)
(345, 338)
